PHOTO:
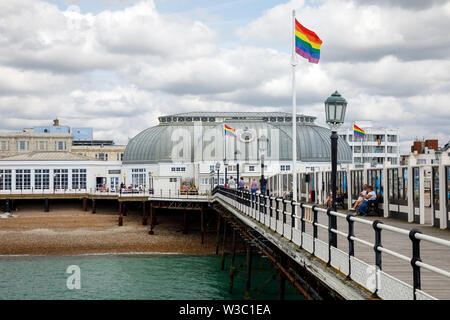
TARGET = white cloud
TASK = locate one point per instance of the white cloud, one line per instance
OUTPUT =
(117, 71)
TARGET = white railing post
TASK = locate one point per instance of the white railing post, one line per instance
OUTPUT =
(385, 192)
(442, 196)
(422, 194)
(349, 188)
(410, 192)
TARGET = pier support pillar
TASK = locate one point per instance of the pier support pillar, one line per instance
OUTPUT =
(46, 205)
(218, 234)
(8, 205)
(124, 209)
(249, 272)
(185, 222)
(202, 222)
(151, 219)
(120, 221)
(222, 263)
(281, 285)
(94, 208)
(144, 214)
(84, 204)
(233, 257)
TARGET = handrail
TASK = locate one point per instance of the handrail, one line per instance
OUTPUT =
(279, 206)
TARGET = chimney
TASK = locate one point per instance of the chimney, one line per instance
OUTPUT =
(56, 122)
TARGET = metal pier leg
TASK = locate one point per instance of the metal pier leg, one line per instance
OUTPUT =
(151, 219)
(249, 272)
(46, 205)
(124, 209)
(218, 234)
(232, 268)
(281, 285)
(202, 218)
(223, 245)
(85, 204)
(185, 228)
(144, 214)
(94, 209)
(8, 205)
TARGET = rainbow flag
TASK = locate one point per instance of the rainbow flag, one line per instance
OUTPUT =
(357, 131)
(229, 131)
(307, 43)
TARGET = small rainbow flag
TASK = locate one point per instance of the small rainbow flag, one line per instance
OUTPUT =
(357, 131)
(229, 131)
(307, 43)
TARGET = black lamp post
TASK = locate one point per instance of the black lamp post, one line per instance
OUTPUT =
(335, 107)
(218, 173)
(225, 164)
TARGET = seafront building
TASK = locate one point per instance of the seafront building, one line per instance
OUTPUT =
(379, 146)
(183, 149)
(59, 138)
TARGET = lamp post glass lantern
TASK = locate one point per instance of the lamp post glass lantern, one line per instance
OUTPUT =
(335, 107)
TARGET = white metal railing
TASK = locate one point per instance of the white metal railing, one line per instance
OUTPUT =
(98, 192)
(272, 212)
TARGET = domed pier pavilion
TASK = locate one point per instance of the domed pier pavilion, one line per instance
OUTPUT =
(185, 148)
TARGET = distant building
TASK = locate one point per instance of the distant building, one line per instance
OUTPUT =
(13, 143)
(378, 146)
(425, 152)
(59, 138)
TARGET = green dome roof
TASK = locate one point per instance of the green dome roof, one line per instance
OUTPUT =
(155, 144)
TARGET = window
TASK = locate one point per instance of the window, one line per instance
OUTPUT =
(391, 138)
(205, 181)
(251, 168)
(117, 156)
(212, 168)
(42, 179)
(138, 177)
(101, 156)
(4, 145)
(60, 179)
(286, 167)
(60, 145)
(173, 179)
(178, 169)
(78, 178)
(5, 179)
(23, 179)
(41, 145)
(114, 183)
(22, 145)
(121, 157)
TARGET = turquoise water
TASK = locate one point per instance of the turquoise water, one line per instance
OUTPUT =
(135, 277)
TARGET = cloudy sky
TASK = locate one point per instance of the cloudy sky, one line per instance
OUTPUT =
(117, 65)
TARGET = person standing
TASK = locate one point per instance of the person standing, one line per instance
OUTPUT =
(231, 183)
(254, 187)
(241, 184)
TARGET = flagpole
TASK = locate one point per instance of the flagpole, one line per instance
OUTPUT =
(294, 114)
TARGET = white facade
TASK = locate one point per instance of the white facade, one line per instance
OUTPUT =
(379, 146)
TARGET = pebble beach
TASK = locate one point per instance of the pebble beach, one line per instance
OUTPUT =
(70, 231)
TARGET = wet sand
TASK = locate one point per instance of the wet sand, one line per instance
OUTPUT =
(68, 231)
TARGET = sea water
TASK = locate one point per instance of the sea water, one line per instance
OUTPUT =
(135, 277)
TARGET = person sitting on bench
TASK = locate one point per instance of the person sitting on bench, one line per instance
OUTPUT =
(360, 199)
(363, 207)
